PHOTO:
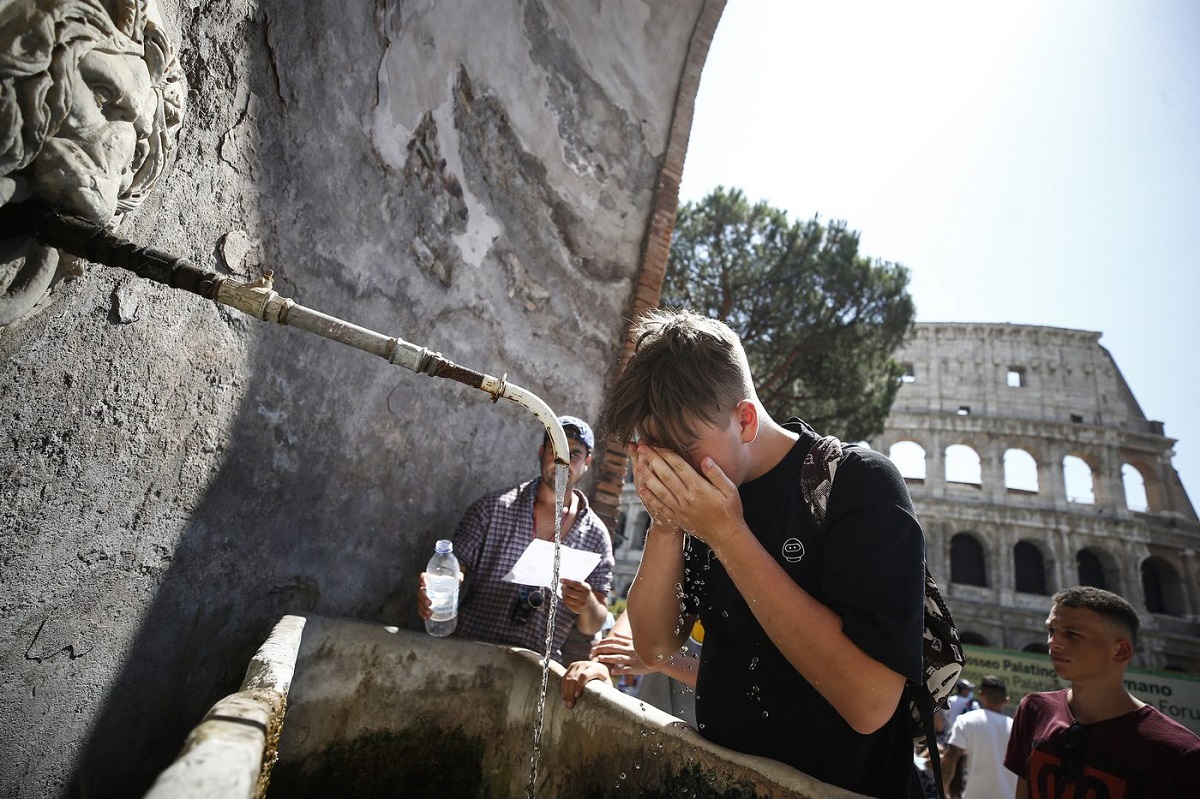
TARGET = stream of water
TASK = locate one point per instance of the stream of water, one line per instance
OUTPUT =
(560, 494)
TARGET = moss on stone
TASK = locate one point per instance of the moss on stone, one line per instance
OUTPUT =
(409, 762)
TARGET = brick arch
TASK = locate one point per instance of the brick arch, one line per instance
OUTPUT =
(611, 461)
(1016, 460)
(1037, 450)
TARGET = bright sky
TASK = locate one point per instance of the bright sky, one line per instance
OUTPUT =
(1031, 161)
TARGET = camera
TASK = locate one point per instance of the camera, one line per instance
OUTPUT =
(529, 599)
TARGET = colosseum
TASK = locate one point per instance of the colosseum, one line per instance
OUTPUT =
(1032, 468)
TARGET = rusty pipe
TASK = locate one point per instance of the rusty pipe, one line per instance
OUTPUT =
(86, 239)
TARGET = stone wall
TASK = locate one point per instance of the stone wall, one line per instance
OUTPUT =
(479, 178)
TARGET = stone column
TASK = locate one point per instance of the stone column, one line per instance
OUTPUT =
(935, 465)
(991, 470)
(1050, 475)
(1191, 579)
(1131, 571)
(1065, 572)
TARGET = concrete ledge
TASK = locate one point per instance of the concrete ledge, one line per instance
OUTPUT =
(230, 753)
(372, 710)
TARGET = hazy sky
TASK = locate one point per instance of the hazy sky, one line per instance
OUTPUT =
(1029, 162)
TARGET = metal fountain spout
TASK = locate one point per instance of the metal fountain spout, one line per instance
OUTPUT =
(259, 299)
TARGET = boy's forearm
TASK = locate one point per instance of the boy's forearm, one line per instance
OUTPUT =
(681, 667)
(863, 691)
(653, 607)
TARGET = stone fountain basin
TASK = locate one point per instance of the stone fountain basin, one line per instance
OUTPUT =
(336, 707)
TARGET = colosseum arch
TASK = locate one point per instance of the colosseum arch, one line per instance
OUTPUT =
(1079, 477)
(1162, 587)
(1097, 567)
(974, 638)
(963, 465)
(1020, 471)
(1144, 491)
(1038, 647)
(1031, 568)
(909, 457)
(1134, 483)
(968, 560)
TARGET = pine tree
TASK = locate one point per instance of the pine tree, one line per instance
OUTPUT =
(819, 322)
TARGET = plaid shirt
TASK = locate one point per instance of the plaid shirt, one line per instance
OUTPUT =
(492, 535)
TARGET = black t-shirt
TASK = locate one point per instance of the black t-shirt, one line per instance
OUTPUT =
(867, 565)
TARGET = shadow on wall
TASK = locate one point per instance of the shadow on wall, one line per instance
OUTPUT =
(264, 542)
(175, 476)
(336, 472)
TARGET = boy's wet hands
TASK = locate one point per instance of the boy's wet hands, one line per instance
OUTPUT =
(718, 507)
(706, 504)
(617, 653)
(648, 478)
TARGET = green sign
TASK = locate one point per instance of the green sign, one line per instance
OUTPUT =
(1176, 694)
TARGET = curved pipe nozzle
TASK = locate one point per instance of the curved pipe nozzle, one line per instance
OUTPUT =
(534, 404)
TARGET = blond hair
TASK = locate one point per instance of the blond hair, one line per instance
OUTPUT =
(686, 371)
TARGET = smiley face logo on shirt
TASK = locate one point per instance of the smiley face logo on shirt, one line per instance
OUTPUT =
(793, 550)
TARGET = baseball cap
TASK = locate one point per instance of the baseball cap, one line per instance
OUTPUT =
(579, 430)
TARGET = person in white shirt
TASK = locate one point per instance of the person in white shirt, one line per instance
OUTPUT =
(982, 735)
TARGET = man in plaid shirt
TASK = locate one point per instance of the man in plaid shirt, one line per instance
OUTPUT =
(497, 529)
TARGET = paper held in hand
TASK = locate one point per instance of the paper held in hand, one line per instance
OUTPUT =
(536, 565)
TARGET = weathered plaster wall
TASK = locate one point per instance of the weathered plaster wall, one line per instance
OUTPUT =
(476, 177)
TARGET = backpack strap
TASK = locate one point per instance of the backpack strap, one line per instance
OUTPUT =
(816, 484)
(816, 476)
(922, 701)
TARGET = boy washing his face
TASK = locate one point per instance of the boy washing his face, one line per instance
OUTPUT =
(810, 632)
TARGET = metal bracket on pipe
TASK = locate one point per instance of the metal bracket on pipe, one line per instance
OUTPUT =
(257, 299)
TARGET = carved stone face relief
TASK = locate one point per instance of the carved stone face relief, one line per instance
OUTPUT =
(91, 99)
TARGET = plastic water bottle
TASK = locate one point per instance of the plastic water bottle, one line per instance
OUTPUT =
(441, 586)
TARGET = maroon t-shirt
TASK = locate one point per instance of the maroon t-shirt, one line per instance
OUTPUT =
(1140, 755)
